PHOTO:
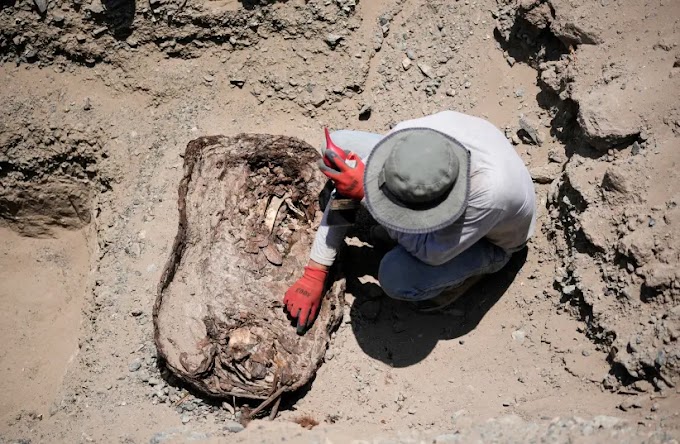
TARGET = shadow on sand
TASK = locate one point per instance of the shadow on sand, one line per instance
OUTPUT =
(392, 332)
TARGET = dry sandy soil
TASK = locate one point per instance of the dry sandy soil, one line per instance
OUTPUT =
(577, 341)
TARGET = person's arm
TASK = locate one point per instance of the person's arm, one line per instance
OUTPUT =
(327, 242)
(303, 298)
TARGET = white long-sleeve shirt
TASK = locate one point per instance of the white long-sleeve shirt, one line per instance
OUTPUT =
(501, 206)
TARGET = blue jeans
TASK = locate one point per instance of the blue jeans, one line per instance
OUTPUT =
(404, 277)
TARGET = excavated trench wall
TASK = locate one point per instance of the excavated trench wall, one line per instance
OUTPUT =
(617, 253)
(49, 172)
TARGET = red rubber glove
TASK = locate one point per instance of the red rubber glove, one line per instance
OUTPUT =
(349, 181)
(303, 298)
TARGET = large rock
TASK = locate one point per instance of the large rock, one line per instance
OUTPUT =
(606, 120)
(246, 205)
(570, 26)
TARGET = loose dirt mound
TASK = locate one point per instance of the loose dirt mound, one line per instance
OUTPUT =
(247, 218)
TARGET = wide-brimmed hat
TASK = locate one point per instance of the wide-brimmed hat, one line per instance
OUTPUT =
(417, 180)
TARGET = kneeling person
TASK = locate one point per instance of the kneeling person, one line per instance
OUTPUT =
(447, 188)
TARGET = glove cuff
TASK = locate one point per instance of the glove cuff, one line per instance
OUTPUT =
(316, 274)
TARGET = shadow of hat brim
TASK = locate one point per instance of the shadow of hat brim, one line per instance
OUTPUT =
(401, 218)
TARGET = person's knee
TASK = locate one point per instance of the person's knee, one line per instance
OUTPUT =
(391, 277)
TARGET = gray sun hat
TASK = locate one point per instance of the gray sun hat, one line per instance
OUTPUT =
(417, 180)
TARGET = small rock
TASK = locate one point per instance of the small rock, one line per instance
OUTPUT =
(333, 39)
(135, 365)
(30, 53)
(630, 403)
(556, 157)
(99, 31)
(585, 353)
(318, 98)
(519, 336)
(233, 426)
(643, 386)
(410, 54)
(635, 149)
(237, 81)
(87, 105)
(660, 358)
(162, 397)
(81, 38)
(154, 381)
(95, 7)
(208, 78)
(510, 60)
(136, 312)
(451, 92)
(615, 180)
(531, 131)
(654, 407)
(568, 290)
(406, 64)
(426, 70)
(185, 418)
(365, 111)
(467, 84)
(41, 6)
(546, 173)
